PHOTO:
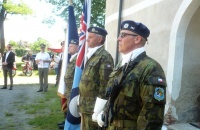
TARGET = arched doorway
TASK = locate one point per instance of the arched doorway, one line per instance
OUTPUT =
(183, 73)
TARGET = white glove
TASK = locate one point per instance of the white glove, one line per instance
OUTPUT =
(99, 119)
(99, 105)
(94, 117)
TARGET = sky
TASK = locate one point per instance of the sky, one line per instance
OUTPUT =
(29, 28)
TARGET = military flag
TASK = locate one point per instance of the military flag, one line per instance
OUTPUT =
(73, 119)
(71, 34)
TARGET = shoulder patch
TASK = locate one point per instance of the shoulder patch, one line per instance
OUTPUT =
(159, 94)
(157, 81)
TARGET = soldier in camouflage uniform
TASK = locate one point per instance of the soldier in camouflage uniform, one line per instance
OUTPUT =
(69, 74)
(95, 75)
(141, 100)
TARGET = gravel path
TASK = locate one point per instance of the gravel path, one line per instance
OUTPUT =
(24, 92)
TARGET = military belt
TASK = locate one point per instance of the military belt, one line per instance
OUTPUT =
(87, 94)
(124, 123)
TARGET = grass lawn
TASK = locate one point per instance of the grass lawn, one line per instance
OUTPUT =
(46, 110)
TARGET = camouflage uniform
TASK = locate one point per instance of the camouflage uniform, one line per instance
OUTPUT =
(93, 83)
(69, 77)
(141, 101)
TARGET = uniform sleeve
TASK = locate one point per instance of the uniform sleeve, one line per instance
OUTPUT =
(153, 98)
(106, 68)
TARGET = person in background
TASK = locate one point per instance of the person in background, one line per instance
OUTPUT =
(52, 64)
(27, 60)
(43, 60)
(28, 56)
(56, 62)
(60, 62)
(7, 62)
(95, 75)
(138, 83)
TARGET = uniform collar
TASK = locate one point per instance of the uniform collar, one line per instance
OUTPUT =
(132, 55)
(91, 51)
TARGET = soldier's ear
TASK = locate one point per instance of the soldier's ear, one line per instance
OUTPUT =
(138, 39)
(99, 39)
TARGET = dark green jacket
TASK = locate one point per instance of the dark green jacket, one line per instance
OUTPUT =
(141, 101)
(94, 79)
(69, 77)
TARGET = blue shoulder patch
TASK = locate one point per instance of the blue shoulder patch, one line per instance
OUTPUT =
(159, 93)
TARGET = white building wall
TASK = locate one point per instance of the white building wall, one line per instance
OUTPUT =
(169, 21)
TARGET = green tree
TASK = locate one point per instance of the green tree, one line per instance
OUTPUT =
(13, 43)
(97, 12)
(8, 7)
(36, 45)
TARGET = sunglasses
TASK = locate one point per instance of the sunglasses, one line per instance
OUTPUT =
(122, 35)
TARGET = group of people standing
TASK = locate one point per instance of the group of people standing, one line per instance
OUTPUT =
(134, 91)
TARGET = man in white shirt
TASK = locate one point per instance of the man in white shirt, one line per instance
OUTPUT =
(43, 60)
(56, 60)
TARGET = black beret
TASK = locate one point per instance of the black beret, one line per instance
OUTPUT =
(42, 45)
(136, 27)
(74, 41)
(98, 30)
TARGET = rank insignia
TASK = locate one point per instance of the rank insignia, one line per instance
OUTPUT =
(159, 93)
(132, 28)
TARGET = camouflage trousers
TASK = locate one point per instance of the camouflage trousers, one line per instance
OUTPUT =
(87, 123)
(123, 125)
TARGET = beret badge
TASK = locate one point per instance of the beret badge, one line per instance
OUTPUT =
(126, 25)
(93, 29)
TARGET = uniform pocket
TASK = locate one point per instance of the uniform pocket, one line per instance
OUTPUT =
(91, 68)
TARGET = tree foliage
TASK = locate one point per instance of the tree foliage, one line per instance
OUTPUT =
(9, 7)
(36, 45)
(17, 8)
(13, 43)
(97, 11)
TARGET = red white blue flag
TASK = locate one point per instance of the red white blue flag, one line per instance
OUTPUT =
(73, 119)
